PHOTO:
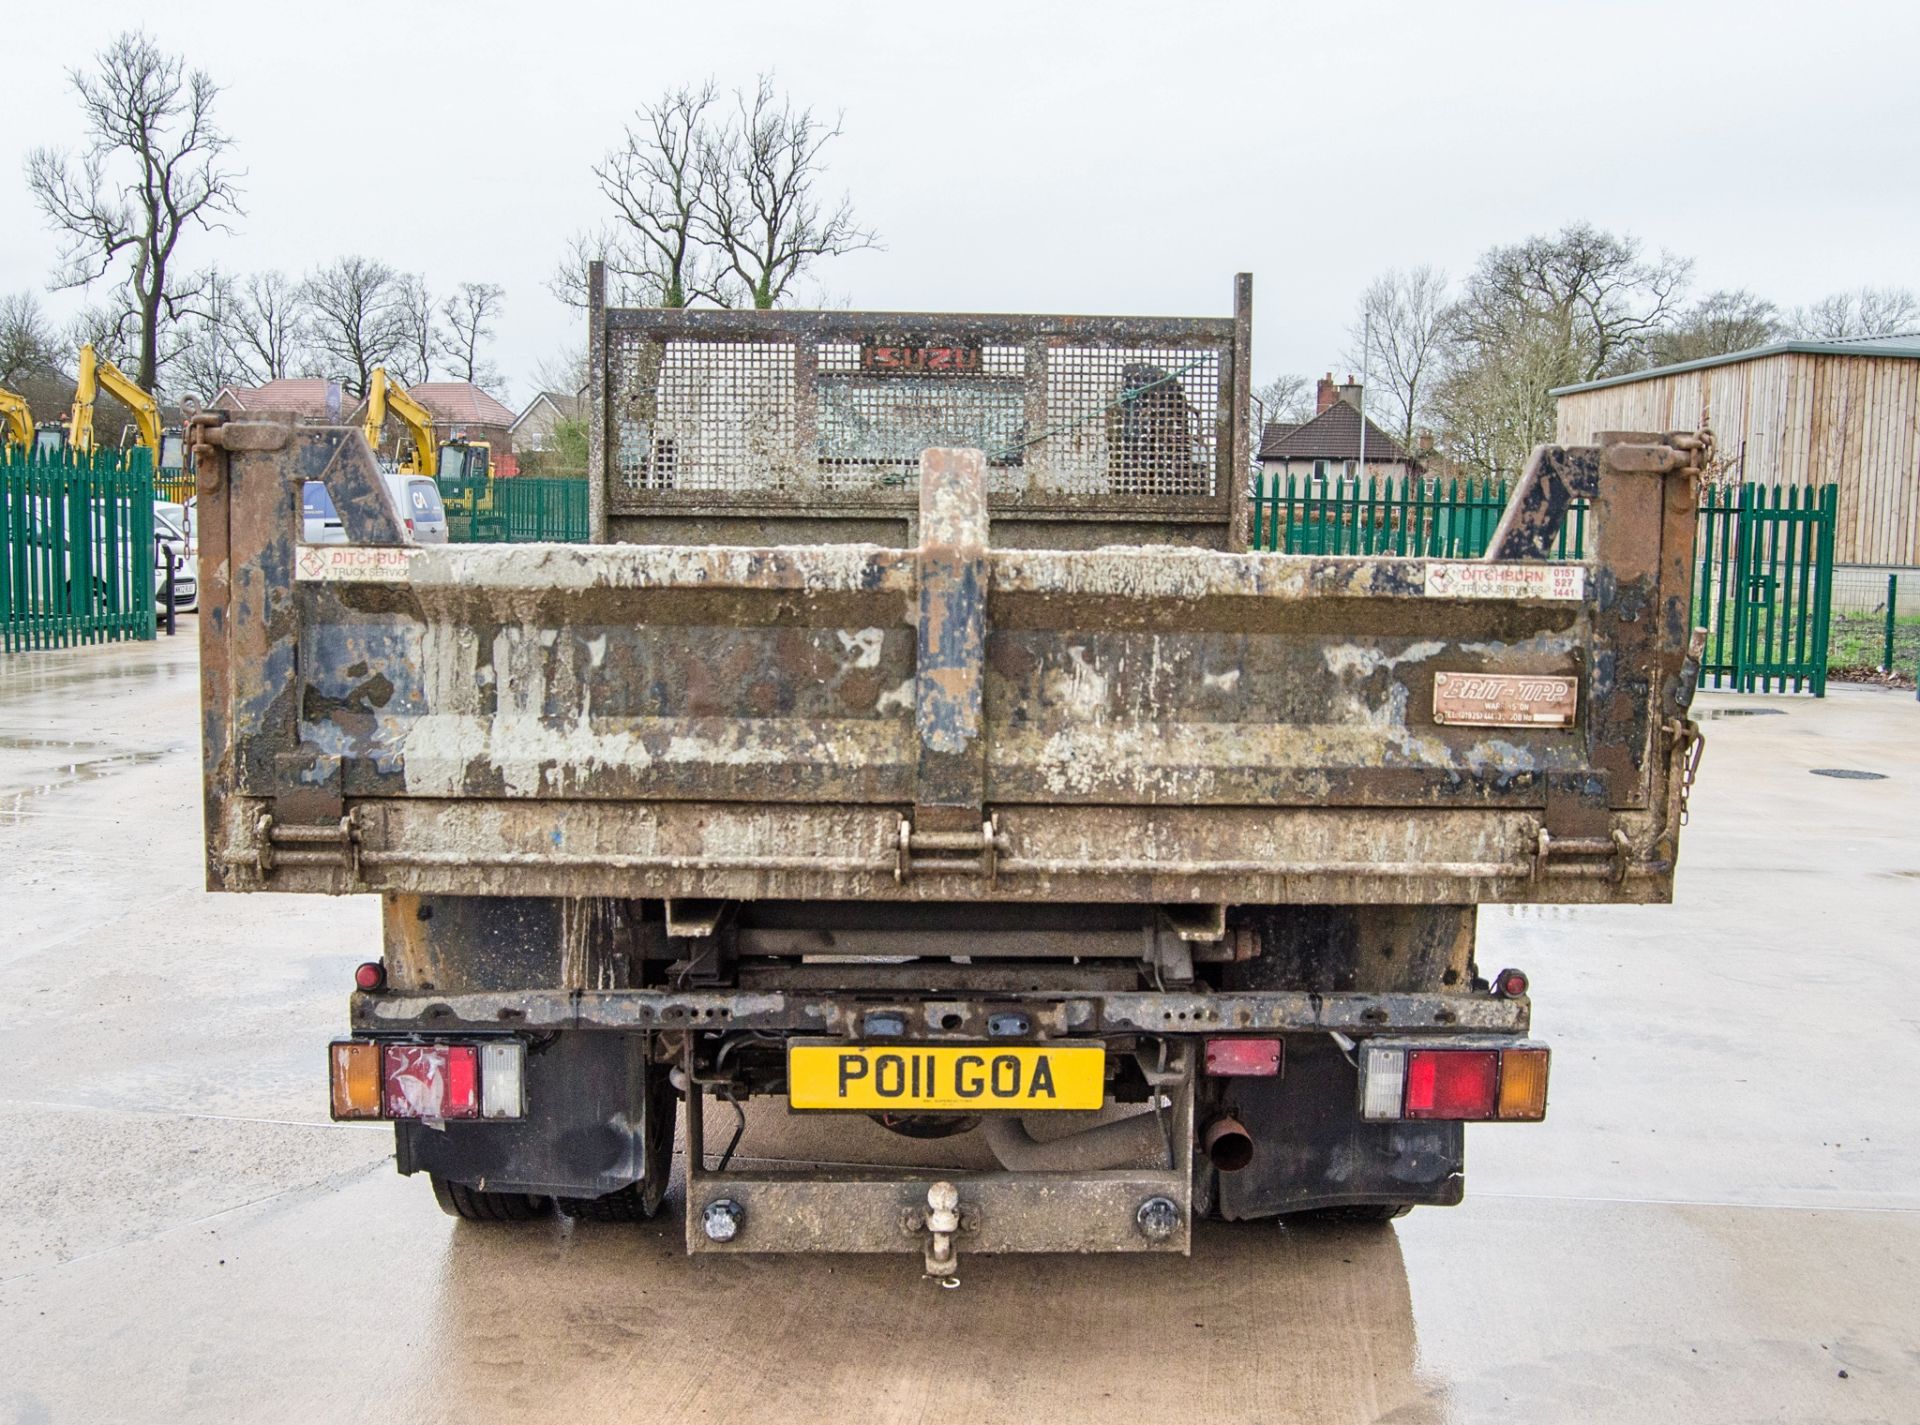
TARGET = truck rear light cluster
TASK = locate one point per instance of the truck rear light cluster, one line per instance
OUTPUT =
(438, 1082)
(1454, 1082)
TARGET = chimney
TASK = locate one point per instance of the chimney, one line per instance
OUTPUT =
(1350, 393)
(1325, 393)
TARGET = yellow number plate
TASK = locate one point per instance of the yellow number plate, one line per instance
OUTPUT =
(963, 1077)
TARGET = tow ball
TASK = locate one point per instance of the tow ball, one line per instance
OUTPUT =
(942, 1223)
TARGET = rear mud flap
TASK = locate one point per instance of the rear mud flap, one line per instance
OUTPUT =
(1313, 1150)
(586, 1132)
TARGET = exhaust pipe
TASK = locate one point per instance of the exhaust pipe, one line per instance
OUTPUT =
(1228, 1145)
(1107, 1145)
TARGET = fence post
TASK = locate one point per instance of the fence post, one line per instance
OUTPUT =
(1893, 597)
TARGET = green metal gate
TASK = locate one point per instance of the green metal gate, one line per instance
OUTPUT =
(76, 548)
(1763, 586)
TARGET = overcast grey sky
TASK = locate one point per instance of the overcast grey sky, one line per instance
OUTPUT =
(1117, 157)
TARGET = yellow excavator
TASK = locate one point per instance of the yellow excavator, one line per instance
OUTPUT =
(96, 374)
(16, 421)
(462, 468)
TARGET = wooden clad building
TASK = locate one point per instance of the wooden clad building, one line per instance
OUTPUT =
(1794, 413)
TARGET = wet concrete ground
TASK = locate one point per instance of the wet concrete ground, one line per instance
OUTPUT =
(1719, 1221)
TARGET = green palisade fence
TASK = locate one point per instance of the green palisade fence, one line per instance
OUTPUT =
(1437, 519)
(76, 548)
(1763, 557)
(528, 510)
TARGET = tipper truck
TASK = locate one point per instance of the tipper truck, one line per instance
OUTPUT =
(919, 738)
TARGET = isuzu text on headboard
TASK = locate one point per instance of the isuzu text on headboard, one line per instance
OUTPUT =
(920, 360)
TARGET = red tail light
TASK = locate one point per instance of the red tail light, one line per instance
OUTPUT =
(430, 1081)
(1452, 1083)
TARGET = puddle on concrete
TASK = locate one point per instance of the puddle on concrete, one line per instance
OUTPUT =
(16, 803)
(1849, 774)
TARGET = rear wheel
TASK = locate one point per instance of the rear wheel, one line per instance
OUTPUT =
(638, 1202)
(472, 1205)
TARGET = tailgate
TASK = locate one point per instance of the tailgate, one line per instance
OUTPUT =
(853, 720)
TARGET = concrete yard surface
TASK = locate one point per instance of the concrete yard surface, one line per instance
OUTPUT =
(1719, 1221)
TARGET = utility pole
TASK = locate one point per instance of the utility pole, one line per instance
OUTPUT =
(1366, 354)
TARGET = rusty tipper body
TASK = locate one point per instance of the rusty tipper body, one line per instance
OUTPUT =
(918, 739)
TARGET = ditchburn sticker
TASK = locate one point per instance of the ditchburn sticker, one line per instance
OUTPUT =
(1507, 581)
(354, 563)
(1505, 699)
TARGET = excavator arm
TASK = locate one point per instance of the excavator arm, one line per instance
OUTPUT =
(96, 373)
(16, 419)
(384, 397)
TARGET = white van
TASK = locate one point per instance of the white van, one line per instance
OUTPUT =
(415, 496)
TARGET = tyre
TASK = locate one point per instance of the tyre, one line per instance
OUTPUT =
(638, 1202)
(472, 1205)
(630, 1204)
(1357, 1213)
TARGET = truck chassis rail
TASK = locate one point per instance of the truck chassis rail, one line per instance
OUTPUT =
(954, 1018)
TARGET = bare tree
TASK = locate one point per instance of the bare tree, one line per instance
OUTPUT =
(564, 372)
(1868, 311)
(630, 282)
(1718, 323)
(29, 346)
(757, 204)
(1494, 403)
(356, 319)
(110, 329)
(1591, 287)
(153, 167)
(654, 181)
(1400, 339)
(468, 317)
(269, 323)
(210, 356)
(1287, 397)
(419, 330)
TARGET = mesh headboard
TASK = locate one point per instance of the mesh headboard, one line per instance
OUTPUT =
(829, 411)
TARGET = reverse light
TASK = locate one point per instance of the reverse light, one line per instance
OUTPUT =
(354, 1075)
(1454, 1082)
(1383, 1081)
(1243, 1058)
(503, 1090)
(430, 1081)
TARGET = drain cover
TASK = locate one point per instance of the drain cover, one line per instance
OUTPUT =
(1850, 774)
(1749, 712)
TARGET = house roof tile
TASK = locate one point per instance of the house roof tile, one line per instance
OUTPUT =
(460, 403)
(1334, 434)
(305, 396)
